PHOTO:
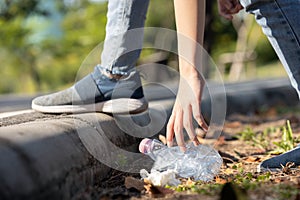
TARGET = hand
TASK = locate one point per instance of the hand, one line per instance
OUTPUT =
(186, 107)
(229, 7)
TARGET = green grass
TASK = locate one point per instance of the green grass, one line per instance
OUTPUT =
(288, 141)
(263, 140)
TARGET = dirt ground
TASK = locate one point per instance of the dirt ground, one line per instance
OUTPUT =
(245, 142)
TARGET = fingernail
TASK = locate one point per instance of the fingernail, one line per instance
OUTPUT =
(169, 144)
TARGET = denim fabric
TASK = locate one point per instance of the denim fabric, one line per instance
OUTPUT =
(280, 21)
(124, 35)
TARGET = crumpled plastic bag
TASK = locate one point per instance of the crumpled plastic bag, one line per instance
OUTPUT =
(160, 178)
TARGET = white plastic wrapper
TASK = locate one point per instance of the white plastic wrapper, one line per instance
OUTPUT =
(161, 178)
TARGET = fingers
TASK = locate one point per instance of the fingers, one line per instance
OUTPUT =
(170, 130)
(238, 5)
(186, 107)
(188, 125)
(198, 117)
(175, 128)
(178, 130)
(229, 7)
(183, 119)
(224, 9)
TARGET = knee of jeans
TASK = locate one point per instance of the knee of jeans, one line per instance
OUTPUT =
(295, 80)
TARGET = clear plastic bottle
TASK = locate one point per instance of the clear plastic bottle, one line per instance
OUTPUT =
(200, 162)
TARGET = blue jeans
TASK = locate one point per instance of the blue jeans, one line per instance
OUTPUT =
(124, 35)
(280, 21)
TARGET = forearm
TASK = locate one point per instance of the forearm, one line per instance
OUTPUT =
(190, 19)
(190, 22)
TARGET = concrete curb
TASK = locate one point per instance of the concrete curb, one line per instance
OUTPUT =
(46, 159)
(248, 97)
(251, 96)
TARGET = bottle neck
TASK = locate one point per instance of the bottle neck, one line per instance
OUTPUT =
(156, 145)
(147, 147)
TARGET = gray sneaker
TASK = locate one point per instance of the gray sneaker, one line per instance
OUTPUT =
(277, 162)
(97, 93)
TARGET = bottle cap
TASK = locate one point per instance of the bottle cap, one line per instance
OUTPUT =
(144, 144)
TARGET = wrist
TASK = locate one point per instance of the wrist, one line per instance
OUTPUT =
(189, 71)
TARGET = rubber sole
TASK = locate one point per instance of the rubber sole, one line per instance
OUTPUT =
(115, 106)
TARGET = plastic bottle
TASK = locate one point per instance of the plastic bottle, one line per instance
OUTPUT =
(200, 162)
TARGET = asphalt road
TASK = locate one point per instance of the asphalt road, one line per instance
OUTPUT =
(274, 90)
(13, 102)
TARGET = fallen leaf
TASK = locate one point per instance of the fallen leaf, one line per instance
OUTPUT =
(251, 159)
(295, 180)
(164, 190)
(235, 124)
(148, 188)
(163, 139)
(157, 191)
(131, 182)
(221, 141)
(190, 182)
(220, 180)
(147, 181)
(259, 152)
(272, 112)
(277, 180)
(287, 168)
(229, 171)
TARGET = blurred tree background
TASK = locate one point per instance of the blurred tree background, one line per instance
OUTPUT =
(43, 43)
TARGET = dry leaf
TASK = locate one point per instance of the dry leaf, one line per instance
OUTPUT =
(131, 182)
(157, 191)
(229, 171)
(277, 180)
(259, 152)
(272, 112)
(190, 182)
(147, 181)
(295, 180)
(235, 124)
(220, 180)
(221, 141)
(148, 188)
(163, 139)
(251, 159)
(287, 168)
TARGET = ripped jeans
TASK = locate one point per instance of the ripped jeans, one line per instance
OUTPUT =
(124, 35)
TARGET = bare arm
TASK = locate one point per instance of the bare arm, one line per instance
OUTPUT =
(190, 20)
